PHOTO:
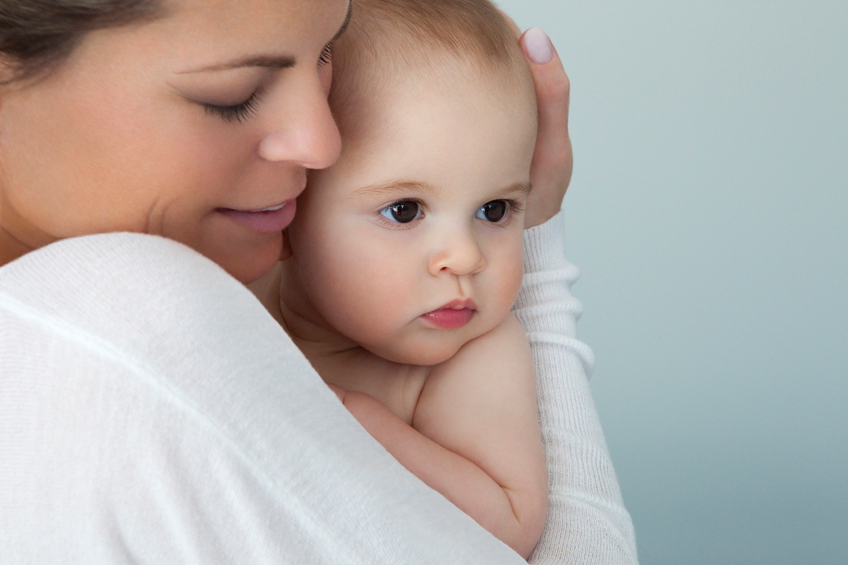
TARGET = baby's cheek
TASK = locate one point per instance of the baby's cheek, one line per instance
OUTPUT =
(366, 302)
(510, 281)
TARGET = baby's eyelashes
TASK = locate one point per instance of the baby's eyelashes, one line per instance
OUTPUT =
(403, 211)
(493, 211)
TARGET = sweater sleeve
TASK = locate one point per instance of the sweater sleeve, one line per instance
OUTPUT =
(151, 411)
(587, 521)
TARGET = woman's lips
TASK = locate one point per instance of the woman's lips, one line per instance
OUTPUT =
(266, 220)
(453, 315)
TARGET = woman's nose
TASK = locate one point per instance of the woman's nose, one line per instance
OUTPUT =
(458, 254)
(304, 132)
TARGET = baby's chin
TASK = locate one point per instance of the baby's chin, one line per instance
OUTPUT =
(425, 355)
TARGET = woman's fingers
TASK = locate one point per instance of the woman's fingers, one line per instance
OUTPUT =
(553, 160)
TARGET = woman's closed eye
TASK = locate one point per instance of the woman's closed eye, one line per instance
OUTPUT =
(235, 112)
(244, 110)
(402, 212)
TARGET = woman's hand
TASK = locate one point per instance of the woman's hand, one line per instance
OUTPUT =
(553, 160)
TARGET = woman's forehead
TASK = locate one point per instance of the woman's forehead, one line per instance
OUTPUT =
(252, 22)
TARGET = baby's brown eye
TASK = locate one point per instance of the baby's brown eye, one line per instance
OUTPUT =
(493, 211)
(402, 212)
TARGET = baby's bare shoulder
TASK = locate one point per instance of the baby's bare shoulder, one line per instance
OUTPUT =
(482, 406)
(486, 376)
(503, 351)
(508, 333)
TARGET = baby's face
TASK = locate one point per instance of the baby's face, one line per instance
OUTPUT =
(411, 245)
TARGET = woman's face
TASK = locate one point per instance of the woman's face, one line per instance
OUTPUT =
(196, 127)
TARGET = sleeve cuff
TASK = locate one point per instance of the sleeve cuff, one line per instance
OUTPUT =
(544, 245)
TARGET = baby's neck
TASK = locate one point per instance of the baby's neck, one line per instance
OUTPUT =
(301, 320)
(339, 360)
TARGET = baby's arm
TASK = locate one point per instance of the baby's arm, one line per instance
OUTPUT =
(475, 436)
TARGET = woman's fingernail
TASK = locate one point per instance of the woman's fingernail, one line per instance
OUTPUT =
(537, 46)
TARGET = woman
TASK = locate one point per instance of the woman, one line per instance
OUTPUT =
(150, 410)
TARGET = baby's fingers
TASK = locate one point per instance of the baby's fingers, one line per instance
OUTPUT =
(340, 392)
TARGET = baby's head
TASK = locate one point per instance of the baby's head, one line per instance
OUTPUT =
(411, 245)
(399, 46)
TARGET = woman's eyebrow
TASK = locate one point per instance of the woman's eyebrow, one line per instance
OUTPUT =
(346, 21)
(267, 61)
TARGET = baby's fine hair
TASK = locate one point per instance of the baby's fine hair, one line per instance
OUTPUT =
(389, 40)
(466, 28)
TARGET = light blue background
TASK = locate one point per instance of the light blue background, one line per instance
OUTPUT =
(709, 216)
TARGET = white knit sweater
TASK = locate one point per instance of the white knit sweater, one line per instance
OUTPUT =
(151, 411)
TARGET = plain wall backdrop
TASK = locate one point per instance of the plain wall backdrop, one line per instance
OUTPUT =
(709, 216)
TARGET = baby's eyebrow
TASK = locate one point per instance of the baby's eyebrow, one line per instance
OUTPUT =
(521, 186)
(393, 187)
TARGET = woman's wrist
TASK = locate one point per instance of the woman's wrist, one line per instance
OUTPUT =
(544, 245)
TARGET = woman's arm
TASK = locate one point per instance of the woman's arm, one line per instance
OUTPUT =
(152, 412)
(587, 521)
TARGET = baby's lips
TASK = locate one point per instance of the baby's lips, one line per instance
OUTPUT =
(459, 304)
(449, 318)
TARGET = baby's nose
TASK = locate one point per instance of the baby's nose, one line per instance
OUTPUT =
(458, 254)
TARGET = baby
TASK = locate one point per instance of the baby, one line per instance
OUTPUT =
(407, 255)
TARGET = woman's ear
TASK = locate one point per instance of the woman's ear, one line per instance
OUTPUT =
(7, 71)
(7, 77)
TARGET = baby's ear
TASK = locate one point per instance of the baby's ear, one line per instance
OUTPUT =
(286, 251)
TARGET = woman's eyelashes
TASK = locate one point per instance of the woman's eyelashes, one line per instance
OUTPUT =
(244, 110)
(236, 112)
(326, 56)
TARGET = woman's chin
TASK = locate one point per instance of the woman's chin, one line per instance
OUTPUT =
(252, 264)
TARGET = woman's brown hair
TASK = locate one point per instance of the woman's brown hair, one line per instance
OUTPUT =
(37, 35)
